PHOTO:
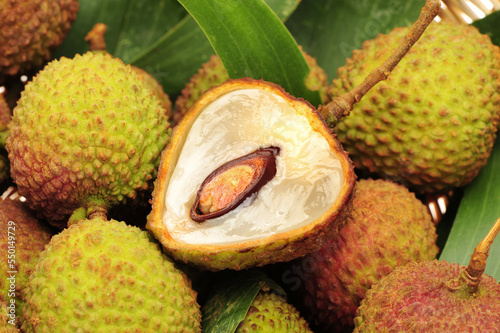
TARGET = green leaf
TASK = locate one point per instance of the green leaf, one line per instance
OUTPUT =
(490, 25)
(330, 30)
(283, 8)
(228, 305)
(175, 57)
(252, 41)
(144, 23)
(178, 54)
(132, 25)
(478, 211)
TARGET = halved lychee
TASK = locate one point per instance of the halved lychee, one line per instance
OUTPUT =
(232, 135)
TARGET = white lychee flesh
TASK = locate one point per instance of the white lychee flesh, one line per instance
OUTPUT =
(308, 179)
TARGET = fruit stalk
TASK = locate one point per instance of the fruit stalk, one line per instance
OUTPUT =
(342, 105)
(95, 37)
(471, 276)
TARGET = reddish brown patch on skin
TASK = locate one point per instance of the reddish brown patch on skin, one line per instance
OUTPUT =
(230, 184)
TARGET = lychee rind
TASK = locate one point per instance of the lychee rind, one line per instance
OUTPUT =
(387, 228)
(270, 312)
(157, 88)
(432, 124)
(5, 117)
(212, 73)
(107, 276)
(8, 320)
(23, 239)
(5, 113)
(415, 298)
(30, 30)
(85, 132)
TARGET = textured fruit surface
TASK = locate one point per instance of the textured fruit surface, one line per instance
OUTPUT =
(85, 133)
(212, 73)
(414, 298)
(5, 117)
(106, 276)
(5, 113)
(270, 312)
(432, 124)
(387, 227)
(157, 88)
(7, 323)
(97, 44)
(28, 237)
(295, 213)
(30, 30)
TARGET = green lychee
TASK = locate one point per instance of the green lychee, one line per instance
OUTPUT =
(387, 228)
(86, 133)
(107, 276)
(30, 30)
(97, 44)
(432, 124)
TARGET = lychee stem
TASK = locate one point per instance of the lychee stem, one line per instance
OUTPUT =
(477, 264)
(470, 277)
(96, 212)
(95, 37)
(341, 106)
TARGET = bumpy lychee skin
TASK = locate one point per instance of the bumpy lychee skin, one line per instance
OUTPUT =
(415, 298)
(157, 88)
(271, 312)
(432, 124)
(8, 320)
(97, 44)
(23, 238)
(30, 30)
(388, 227)
(106, 276)
(5, 113)
(5, 117)
(87, 133)
(212, 73)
